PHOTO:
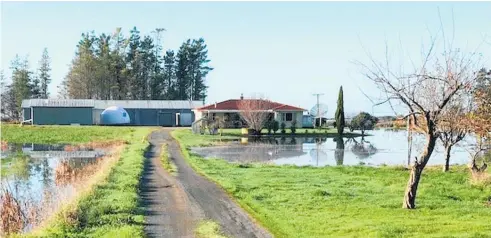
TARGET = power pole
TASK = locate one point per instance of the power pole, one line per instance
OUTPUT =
(318, 107)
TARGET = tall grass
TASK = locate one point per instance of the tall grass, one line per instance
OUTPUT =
(349, 201)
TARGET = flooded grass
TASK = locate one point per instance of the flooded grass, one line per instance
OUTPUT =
(349, 201)
(38, 203)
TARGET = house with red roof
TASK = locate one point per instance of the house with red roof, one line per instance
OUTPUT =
(229, 110)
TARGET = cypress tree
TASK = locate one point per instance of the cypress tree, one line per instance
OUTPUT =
(340, 123)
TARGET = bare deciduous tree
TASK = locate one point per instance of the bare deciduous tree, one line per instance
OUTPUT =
(255, 112)
(425, 91)
(452, 127)
(479, 123)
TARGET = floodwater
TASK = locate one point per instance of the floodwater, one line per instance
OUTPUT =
(29, 171)
(383, 147)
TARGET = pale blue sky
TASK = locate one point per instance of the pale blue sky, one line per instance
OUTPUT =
(285, 50)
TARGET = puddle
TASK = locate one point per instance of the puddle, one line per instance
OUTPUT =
(37, 174)
(384, 147)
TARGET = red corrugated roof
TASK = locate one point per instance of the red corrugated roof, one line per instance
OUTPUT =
(233, 104)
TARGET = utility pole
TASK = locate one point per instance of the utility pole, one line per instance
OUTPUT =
(318, 107)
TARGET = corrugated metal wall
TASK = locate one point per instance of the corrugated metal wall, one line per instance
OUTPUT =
(158, 117)
(62, 115)
(91, 116)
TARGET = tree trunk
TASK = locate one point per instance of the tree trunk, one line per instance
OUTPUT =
(447, 158)
(412, 187)
(415, 175)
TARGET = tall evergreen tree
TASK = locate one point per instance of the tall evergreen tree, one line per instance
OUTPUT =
(182, 71)
(133, 59)
(168, 87)
(148, 61)
(21, 81)
(157, 84)
(103, 72)
(44, 74)
(118, 87)
(8, 105)
(81, 78)
(340, 122)
(199, 69)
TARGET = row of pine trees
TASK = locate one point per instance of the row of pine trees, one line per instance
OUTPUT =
(134, 68)
(115, 67)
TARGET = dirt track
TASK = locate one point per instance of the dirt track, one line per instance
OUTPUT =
(174, 205)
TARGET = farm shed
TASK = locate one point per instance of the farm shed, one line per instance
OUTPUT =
(88, 111)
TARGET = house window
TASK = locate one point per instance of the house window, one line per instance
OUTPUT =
(213, 116)
(288, 116)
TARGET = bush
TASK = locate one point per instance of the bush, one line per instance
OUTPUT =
(306, 131)
(293, 127)
(269, 126)
(283, 127)
(276, 126)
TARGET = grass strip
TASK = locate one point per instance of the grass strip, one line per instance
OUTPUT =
(166, 162)
(208, 229)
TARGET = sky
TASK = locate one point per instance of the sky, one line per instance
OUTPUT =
(286, 51)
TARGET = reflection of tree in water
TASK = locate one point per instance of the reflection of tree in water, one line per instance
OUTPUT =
(339, 152)
(363, 149)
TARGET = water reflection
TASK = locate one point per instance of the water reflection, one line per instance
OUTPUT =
(383, 148)
(339, 152)
(28, 169)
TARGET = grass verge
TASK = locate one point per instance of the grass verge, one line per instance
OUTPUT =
(110, 208)
(166, 162)
(208, 229)
(347, 201)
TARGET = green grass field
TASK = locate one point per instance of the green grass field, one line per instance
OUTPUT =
(349, 201)
(111, 208)
(61, 134)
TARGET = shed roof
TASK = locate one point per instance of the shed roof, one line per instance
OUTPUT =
(57, 103)
(103, 104)
(150, 104)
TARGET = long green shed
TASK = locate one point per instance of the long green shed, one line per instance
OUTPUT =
(87, 111)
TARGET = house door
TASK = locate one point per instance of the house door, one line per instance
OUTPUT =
(178, 119)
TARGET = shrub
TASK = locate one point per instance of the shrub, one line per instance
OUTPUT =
(276, 126)
(293, 127)
(269, 126)
(306, 131)
(283, 127)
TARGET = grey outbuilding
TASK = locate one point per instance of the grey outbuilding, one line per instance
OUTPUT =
(88, 111)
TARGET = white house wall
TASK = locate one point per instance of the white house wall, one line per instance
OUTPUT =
(297, 116)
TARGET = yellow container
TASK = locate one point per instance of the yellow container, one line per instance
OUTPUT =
(244, 131)
(244, 140)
